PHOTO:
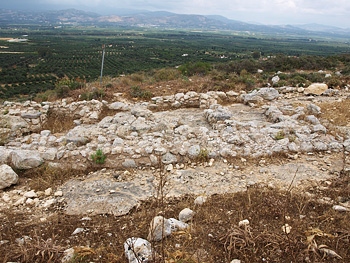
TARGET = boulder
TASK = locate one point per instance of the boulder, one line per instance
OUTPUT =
(268, 93)
(160, 227)
(14, 123)
(316, 89)
(119, 106)
(252, 97)
(31, 115)
(7, 176)
(77, 140)
(25, 159)
(140, 125)
(217, 113)
(112, 197)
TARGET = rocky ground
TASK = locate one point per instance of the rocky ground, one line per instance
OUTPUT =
(173, 147)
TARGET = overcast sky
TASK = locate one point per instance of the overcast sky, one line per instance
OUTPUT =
(327, 12)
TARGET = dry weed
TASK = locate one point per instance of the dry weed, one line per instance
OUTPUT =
(58, 122)
(337, 112)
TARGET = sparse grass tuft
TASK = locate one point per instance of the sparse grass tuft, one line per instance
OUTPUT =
(280, 135)
(203, 155)
(98, 157)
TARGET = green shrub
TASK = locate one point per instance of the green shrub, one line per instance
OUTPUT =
(62, 91)
(138, 92)
(92, 95)
(203, 155)
(334, 82)
(280, 135)
(63, 86)
(98, 157)
(166, 74)
(197, 68)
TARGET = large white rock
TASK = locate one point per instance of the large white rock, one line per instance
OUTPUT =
(7, 176)
(316, 89)
(25, 159)
(268, 93)
(119, 106)
(138, 250)
(160, 227)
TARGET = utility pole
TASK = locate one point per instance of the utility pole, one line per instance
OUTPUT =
(103, 59)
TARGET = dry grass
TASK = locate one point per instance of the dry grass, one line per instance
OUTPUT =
(214, 235)
(338, 112)
(45, 176)
(58, 122)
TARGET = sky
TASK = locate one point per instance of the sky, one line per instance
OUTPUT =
(269, 12)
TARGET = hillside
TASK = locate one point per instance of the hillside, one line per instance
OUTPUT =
(165, 20)
(266, 171)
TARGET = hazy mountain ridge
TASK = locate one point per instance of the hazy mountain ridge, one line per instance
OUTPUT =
(163, 19)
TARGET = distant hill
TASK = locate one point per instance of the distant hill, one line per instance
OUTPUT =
(164, 20)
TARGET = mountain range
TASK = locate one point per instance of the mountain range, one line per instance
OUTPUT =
(164, 20)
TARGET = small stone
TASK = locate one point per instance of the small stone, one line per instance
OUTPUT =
(286, 228)
(48, 191)
(68, 255)
(169, 167)
(340, 208)
(58, 193)
(78, 230)
(6, 198)
(129, 163)
(20, 201)
(30, 201)
(244, 222)
(186, 215)
(200, 200)
(30, 194)
(48, 203)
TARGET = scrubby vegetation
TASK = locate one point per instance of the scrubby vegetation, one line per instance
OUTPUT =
(56, 61)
